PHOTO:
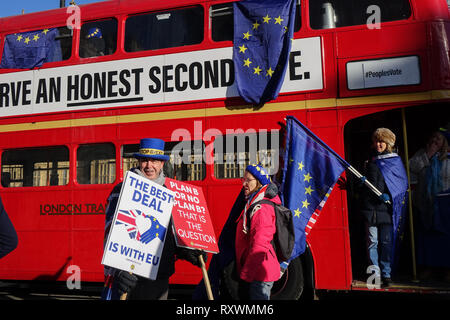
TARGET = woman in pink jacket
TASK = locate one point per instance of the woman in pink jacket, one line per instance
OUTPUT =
(256, 261)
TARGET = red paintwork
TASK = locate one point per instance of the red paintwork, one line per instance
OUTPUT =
(48, 244)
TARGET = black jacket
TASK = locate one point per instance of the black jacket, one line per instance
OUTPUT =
(375, 210)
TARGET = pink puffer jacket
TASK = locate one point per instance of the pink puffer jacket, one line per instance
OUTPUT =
(255, 256)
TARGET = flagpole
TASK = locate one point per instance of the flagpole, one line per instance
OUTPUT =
(206, 278)
(345, 163)
(319, 141)
(366, 182)
(411, 224)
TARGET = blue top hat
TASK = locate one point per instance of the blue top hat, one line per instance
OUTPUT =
(151, 148)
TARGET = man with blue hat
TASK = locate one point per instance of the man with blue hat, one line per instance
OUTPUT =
(151, 159)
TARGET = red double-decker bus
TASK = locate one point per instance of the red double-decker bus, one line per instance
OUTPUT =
(139, 68)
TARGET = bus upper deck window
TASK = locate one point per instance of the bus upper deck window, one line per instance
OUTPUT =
(164, 29)
(327, 14)
(20, 49)
(98, 38)
(221, 16)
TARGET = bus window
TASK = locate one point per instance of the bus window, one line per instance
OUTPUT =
(36, 167)
(64, 42)
(326, 14)
(54, 44)
(98, 38)
(233, 153)
(166, 29)
(186, 160)
(221, 16)
(96, 163)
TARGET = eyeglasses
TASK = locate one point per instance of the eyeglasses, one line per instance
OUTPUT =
(246, 181)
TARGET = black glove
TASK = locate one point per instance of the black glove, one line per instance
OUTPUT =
(125, 282)
(192, 256)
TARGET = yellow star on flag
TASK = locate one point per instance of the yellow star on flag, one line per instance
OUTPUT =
(279, 20)
(247, 62)
(45, 31)
(269, 72)
(307, 177)
(27, 39)
(247, 35)
(309, 190)
(36, 37)
(256, 25)
(305, 203)
(266, 19)
(300, 166)
(257, 70)
(297, 212)
(19, 37)
(242, 48)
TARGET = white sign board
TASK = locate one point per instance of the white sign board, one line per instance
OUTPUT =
(140, 225)
(383, 73)
(176, 77)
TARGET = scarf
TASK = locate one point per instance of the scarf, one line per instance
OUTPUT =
(160, 180)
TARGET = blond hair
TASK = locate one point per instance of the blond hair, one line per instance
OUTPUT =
(385, 135)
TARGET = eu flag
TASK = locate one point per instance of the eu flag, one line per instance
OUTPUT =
(263, 30)
(394, 174)
(310, 171)
(28, 50)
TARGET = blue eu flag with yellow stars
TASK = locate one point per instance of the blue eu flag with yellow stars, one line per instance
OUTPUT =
(310, 171)
(263, 30)
(29, 50)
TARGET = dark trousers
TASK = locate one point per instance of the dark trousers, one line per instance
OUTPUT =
(147, 289)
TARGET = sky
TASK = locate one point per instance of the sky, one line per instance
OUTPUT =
(14, 7)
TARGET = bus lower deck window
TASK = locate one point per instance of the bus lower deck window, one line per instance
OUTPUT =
(96, 163)
(233, 153)
(35, 167)
(186, 161)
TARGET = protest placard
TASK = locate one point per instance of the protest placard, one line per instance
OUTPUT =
(191, 220)
(139, 227)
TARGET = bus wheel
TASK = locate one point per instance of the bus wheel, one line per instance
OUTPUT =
(290, 286)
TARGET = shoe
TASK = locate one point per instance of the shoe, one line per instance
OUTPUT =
(386, 282)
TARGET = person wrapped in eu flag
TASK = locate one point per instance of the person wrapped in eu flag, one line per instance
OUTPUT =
(384, 214)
